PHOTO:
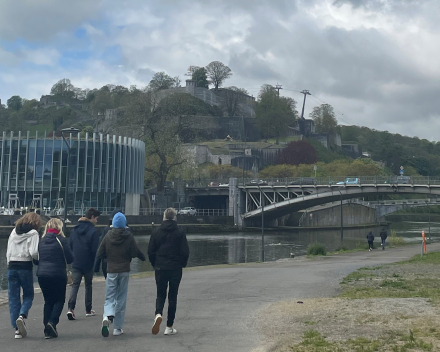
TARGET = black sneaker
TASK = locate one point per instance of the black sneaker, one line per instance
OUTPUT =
(70, 314)
(51, 330)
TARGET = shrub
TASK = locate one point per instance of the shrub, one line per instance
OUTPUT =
(316, 249)
(394, 240)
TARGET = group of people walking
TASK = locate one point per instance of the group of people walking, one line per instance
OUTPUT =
(86, 250)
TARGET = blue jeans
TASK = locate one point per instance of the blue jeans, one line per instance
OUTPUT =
(20, 279)
(116, 297)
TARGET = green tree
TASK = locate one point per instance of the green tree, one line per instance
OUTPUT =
(217, 73)
(325, 120)
(199, 76)
(102, 100)
(162, 81)
(273, 113)
(15, 102)
(64, 88)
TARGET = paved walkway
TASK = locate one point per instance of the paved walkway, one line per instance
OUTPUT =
(216, 311)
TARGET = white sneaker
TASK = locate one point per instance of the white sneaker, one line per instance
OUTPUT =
(104, 328)
(91, 313)
(156, 326)
(170, 331)
(117, 332)
(18, 335)
(21, 327)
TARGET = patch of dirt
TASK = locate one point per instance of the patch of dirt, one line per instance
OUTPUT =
(283, 324)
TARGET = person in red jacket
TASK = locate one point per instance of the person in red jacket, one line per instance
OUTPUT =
(168, 252)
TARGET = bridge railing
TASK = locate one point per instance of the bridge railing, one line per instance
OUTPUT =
(198, 212)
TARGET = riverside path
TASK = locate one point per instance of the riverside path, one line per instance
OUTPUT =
(216, 311)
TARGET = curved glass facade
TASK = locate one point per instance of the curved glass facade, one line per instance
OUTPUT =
(105, 171)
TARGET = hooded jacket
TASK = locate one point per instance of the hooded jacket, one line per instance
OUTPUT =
(370, 237)
(53, 257)
(168, 248)
(22, 247)
(84, 242)
(119, 247)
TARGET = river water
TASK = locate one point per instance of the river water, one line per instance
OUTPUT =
(244, 247)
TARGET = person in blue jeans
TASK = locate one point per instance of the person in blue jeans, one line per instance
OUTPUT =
(22, 250)
(119, 247)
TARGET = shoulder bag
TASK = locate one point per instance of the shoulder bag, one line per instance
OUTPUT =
(68, 272)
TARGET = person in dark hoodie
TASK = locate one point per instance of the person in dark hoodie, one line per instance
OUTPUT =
(84, 242)
(383, 237)
(54, 255)
(119, 247)
(168, 252)
(370, 239)
(103, 233)
(22, 250)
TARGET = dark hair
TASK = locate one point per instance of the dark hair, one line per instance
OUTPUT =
(92, 212)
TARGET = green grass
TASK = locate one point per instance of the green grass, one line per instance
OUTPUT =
(48, 127)
(313, 341)
(372, 283)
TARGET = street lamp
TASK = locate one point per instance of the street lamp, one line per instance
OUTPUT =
(68, 131)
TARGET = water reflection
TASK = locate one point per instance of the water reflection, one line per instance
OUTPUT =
(238, 247)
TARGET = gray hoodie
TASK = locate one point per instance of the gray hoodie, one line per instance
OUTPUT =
(22, 244)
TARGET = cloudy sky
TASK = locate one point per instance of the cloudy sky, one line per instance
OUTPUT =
(375, 61)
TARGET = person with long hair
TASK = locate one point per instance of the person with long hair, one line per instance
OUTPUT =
(54, 255)
(22, 250)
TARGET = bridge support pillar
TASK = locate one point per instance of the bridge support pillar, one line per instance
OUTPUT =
(235, 202)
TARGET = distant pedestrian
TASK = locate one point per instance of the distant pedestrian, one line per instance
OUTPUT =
(54, 255)
(103, 262)
(22, 250)
(370, 239)
(84, 242)
(168, 252)
(383, 237)
(119, 247)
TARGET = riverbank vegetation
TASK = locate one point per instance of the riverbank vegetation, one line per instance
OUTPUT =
(393, 307)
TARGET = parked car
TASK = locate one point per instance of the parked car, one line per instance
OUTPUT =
(223, 185)
(304, 181)
(187, 211)
(349, 181)
(214, 184)
(257, 183)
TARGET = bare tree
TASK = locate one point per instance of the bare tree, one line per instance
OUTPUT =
(232, 98)
(63, 87)
(159, 124)
(217, 73)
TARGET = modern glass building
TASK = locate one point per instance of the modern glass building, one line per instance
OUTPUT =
(105, 172)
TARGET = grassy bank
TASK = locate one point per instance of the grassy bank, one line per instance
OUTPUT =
(393, 307)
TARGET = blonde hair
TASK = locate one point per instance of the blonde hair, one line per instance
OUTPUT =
(56, 224)
(32, 219)
(170, 214)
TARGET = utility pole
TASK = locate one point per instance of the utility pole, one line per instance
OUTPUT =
(278, 87)
(301, 121)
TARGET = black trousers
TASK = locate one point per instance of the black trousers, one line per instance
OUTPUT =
(54, 293)
(165, 278)
(370, 244)
(77, 276)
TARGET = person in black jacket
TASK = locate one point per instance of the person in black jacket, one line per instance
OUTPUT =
(54, 255)
(168, 252)
(370, 239)
(84, 242)
(383, 237)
